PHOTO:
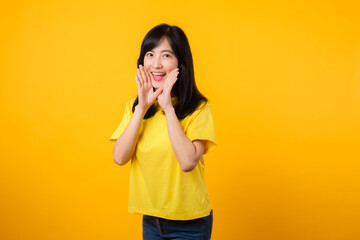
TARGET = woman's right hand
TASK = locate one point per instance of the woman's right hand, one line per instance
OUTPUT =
(146, 95)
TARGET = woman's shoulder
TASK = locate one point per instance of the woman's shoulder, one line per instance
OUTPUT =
(128, 105)
(130, 102)
(203, 106)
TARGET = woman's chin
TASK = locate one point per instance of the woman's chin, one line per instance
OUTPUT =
(156, 84)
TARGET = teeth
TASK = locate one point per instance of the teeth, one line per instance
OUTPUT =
(159, 74)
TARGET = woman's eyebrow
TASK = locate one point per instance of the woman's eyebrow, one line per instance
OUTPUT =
(168, 51)
(164, 51)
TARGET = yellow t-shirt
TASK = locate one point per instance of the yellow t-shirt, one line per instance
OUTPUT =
(158, 186)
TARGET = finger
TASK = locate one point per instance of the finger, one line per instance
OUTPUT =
(168, 79)
(174, 70)
(174, 73)
(148, 80)
(175, 77)
(143, 74)
(171, 84)
(138, 74)
(143, 79)
(138, 81)
(148, 74)
(158, 92)
(173, 81)
(172, 76)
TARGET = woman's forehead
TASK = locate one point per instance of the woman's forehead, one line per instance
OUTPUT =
(162, 45)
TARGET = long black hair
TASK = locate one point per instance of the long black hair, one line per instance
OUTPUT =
(189, 97)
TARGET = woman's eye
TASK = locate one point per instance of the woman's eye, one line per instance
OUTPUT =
(149, 54)
(166, 55)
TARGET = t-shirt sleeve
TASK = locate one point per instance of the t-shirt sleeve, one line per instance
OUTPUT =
(201, 127)
(124, 122)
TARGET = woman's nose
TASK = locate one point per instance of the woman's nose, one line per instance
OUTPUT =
(157, 63)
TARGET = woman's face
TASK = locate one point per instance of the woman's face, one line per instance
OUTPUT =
(160, 61)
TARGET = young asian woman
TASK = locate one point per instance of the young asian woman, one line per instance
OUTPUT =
(165, 132)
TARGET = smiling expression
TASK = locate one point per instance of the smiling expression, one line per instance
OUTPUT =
(160, 61)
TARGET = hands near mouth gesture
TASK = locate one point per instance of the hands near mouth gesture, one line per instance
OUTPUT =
(165, 97)
(147, 96)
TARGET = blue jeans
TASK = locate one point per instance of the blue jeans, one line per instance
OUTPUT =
(155, 228)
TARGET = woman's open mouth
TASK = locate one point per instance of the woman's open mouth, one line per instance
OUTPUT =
(158, 76)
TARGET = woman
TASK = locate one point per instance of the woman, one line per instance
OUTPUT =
(165, 132)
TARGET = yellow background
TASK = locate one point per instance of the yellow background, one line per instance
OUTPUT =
(284, 82)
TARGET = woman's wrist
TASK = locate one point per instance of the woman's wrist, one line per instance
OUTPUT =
(169, 110)
(140, 110)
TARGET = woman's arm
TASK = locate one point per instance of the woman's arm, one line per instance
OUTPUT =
(187, 153)
(125, 145)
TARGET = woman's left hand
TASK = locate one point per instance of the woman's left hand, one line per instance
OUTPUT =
(164, 99)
